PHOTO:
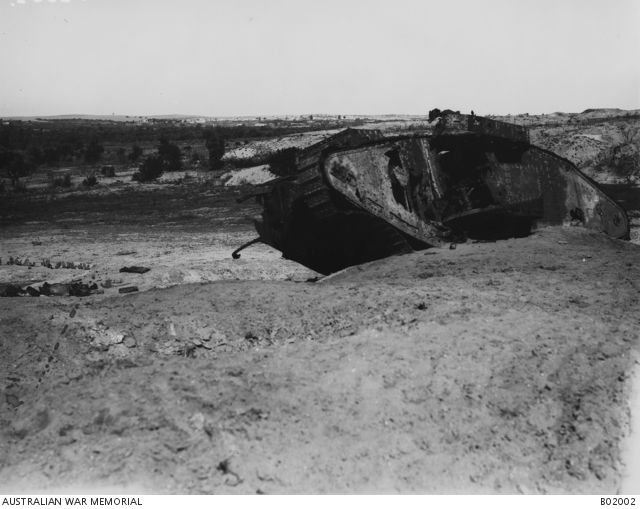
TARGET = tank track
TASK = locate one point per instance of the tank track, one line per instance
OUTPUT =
(318, 199)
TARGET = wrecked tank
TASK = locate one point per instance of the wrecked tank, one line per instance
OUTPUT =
(362, 195)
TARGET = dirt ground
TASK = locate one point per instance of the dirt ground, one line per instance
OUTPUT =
(498, 367)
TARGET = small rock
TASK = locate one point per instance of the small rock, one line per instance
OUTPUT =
(13, 400)
(197, 420)
(453, 246)
(130, 342)
(128, 289)
(217, 337)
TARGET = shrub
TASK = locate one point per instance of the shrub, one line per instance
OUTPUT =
(283, 161)
(214, 141)
(150, 169)
(170, 155)
(64, 181)
(17, 166)
(20, 187)
(93, 151)
(108, 171)
(135, 153)
(90, 181)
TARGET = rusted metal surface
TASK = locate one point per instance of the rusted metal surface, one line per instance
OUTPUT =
(359, 195)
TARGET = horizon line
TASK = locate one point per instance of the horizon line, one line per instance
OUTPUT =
(281, 115)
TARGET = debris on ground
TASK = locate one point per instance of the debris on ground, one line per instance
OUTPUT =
(32, 291)
(74, 289)
(10, 290)
(128, 289)
(135, 269)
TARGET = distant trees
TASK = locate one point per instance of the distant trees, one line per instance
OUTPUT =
(17, 166)
(170, 155)
(121, 155)
(214, 141)
(93, 151)
(135, 153)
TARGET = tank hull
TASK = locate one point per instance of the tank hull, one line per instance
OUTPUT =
(361, 196)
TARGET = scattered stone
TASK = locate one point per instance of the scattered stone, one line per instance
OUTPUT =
(13, 400)
(452, 246)
(41, 420)
(130, 342)
(217, 337)
(135, 269)
(104, 338)
(124, 253)
(106, 284)
(128, 289)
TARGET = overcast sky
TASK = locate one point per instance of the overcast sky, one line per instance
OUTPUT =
(261, 57)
